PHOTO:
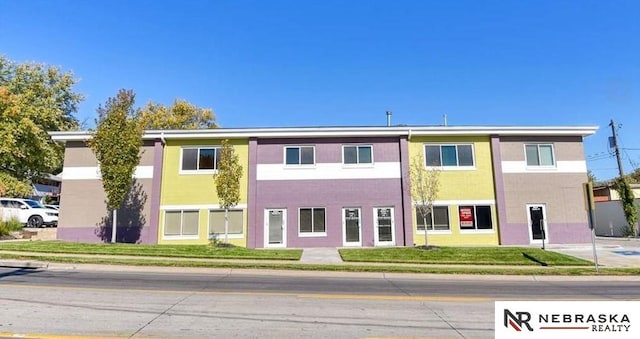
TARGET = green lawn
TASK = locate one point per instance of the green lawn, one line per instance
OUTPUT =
(183, 251)
(463, 255)
(523, 270)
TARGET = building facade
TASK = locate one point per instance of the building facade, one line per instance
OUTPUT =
(342, 187)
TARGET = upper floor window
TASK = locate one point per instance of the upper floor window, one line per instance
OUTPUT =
(361, 154)
(539, 155)
(448, 155)
(299, 155)
(200, 159)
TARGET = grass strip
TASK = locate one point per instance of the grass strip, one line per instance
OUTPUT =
(463, 255)
(480, 270)
(181, 251)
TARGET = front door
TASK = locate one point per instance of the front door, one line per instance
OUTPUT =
(384, 225)
(275, 227)
(351, 226)
(537, 223)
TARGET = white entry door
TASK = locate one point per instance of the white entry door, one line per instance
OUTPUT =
(351, 225)
(384, 226)
(275, 227)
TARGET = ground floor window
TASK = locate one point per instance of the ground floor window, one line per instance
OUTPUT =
(438, 221)
(312, 221)
(216, 222)
(475, 217)
(181, 223)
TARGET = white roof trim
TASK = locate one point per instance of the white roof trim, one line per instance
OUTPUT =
(319, 132)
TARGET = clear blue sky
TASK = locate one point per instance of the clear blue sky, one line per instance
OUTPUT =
(344, 63)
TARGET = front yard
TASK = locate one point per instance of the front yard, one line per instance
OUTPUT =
(176, 251)
(463, 256)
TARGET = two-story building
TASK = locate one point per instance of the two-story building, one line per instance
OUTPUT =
(342, 186)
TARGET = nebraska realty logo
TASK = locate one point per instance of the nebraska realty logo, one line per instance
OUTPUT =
(559, 319)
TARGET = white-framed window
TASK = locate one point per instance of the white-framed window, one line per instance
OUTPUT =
(357, 154)
(539, 155)
(299, 155)
(216, 223)
(181, 223)
(438, 221)
(476, 217)
(312, 221)
(448, 155)
(199, 159)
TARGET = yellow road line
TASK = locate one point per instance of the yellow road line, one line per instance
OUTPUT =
(52, 336)
(421, 298)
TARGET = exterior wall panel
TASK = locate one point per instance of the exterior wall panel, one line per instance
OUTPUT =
(197, 190)
(83, 211)
(558, 189)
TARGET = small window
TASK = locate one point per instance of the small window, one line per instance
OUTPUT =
(449, 155)
(300, 155)
(181, 223)
(357, 155)
(539, 155)
(475, 217)
(200, 159)
(439, 221)
(216, 222)
(312, 220)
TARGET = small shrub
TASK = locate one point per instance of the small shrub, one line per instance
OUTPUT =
(13, 225)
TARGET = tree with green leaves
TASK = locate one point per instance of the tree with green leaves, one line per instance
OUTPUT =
(425, 184)
(116, 144)
(34, 99)
(628, 204)
(227, 181)
(180, 115)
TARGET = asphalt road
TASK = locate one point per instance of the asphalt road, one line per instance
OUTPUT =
(317, 305)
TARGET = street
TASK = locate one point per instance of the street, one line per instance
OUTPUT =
(214, 303)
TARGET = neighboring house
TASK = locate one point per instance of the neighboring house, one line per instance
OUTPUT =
(47, 187)
(345, 186)
(610, 220)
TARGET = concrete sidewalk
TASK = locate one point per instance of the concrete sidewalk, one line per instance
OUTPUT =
(611, 252)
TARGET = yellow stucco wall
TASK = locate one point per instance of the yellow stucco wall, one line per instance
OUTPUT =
(197, 191)
(461, 187)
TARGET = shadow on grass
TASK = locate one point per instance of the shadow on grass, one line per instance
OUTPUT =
(534, 259)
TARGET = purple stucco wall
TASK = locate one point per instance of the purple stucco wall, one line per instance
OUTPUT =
(569, 233)
(332, 195)
(89, 234)
(558, 233)
(156, 189)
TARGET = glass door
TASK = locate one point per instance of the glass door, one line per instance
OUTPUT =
(351, 225)
(384, 226)
(275, 227)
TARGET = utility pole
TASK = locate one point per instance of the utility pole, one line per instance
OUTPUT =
(615, 147)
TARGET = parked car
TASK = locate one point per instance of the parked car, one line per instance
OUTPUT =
(53, 207)
(28, 212)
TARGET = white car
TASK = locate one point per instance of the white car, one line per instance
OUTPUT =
(28, 212)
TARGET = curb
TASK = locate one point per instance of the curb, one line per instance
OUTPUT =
(23, 264)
